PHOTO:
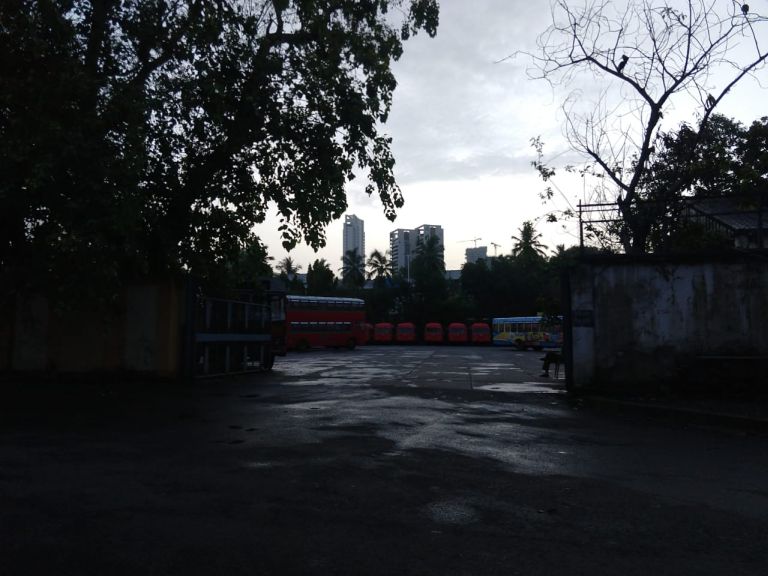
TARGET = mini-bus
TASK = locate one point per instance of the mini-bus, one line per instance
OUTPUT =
(382, 333)
(480, 333)
(526, 332)
(433, 333)
(405, 333)
(457, 333)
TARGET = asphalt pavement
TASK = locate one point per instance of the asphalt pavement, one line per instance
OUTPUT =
(381, 460)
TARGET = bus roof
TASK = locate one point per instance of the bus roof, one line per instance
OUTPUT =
(327, 299)
(512, 319)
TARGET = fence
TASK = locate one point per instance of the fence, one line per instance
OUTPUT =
(741, 219)
(231, 337)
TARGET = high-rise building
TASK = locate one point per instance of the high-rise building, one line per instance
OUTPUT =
(404, 243)
(354, 235)
(472, 255)
(425, 231)
(401, 247)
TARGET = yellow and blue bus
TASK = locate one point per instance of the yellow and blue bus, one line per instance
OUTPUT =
(528, 332)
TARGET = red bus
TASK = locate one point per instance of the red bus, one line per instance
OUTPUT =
(433, 333)
(480, 333)
(324, 321)
(368, 333)
(382, 333)
(405, 333)
(457, 333)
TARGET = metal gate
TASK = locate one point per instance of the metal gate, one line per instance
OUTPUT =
(231, 337)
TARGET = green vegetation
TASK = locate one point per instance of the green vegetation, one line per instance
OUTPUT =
(642, 59)
(525, 282)
(147, 137)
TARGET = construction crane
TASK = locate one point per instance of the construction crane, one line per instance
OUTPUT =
(495, 246)
(472, 240)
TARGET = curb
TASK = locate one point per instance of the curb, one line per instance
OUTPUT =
(680, 414)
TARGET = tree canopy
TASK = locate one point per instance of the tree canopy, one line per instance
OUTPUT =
(145, 136)
(642, 58)
(353, 269)
(320, 279)
(528, 242)
(729, 160)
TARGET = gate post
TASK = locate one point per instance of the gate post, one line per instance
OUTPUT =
(187, 358)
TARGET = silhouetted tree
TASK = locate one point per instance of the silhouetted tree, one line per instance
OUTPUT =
(675, 53)
(289, 271)
(379, 267)
(428, 275)
(321, 280)
(149, 137)
(352, 269)
(527, 243)
(251, 264)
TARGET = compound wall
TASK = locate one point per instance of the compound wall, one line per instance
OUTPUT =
(140, 332)
(648, 324)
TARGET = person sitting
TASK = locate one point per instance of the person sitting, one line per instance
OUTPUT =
(549, 359)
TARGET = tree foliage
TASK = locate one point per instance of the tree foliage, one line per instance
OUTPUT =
(145, 136)
(428, 275)
(353, 269)
(252, 264)
(321, 280)
(379, 267)
(633, 61)
(527, 242)
(730, 160)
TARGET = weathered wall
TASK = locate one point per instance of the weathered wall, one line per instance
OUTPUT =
(140, 332)
(642, 324)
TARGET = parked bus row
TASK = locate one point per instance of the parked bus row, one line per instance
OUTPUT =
(321, 321)
(433, 333)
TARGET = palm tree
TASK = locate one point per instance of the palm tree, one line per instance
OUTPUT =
(353, 269)
(430, 252)
(289, 271)
(379, 266)
(527, 243)
(428, 269)
(288, 267)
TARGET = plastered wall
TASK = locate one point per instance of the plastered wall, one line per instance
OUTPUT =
(642, 325)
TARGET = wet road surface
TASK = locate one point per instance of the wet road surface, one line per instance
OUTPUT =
(383, 460)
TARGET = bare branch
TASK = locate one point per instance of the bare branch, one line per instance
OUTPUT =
(634, 63)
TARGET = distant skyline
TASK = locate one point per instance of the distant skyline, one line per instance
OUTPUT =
(461, 124)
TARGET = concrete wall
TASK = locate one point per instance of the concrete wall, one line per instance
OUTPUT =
(140, 332)
(645, 324)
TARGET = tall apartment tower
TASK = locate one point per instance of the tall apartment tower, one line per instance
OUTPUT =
(354, 235)
(425, 231)
(401, 247)
(404, 243)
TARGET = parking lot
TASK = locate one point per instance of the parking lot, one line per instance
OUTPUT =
(441, 367)
(381, 460)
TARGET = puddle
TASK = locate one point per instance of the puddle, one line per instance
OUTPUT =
(522, 387)
(452, 512)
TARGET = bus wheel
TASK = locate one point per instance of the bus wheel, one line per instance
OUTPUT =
(351, 343)
(269, 362)
(303, 346)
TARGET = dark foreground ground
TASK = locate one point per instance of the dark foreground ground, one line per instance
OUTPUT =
(380, 461)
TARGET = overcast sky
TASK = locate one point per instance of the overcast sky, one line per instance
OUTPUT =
(461, 124)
